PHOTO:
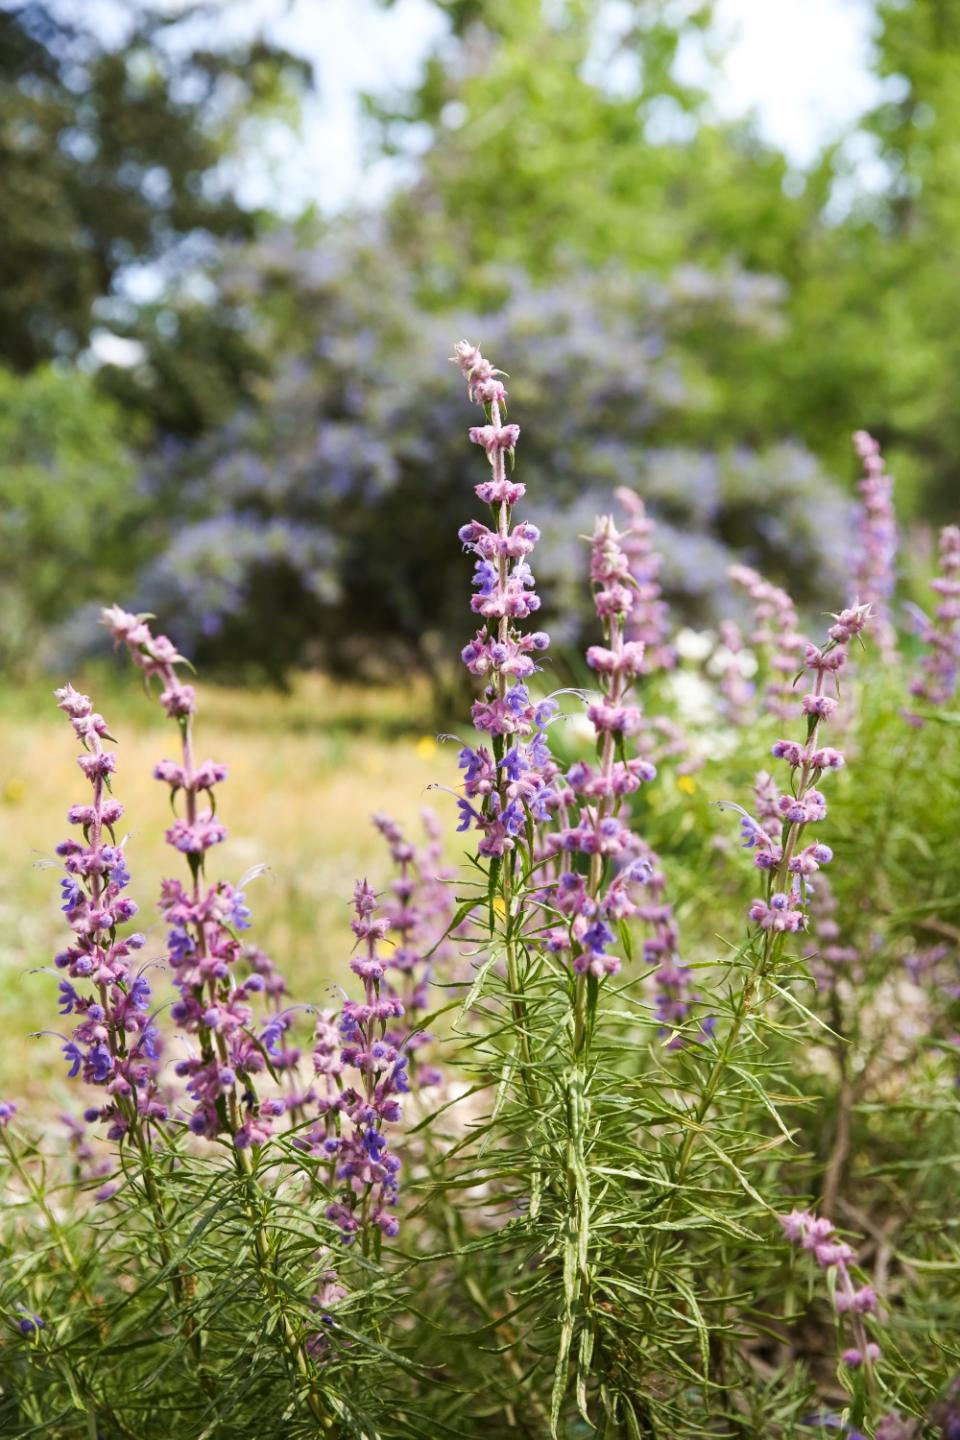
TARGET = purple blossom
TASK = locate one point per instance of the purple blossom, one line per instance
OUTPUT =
(737, 691)
(517, 791)
(349, 1136)
(778, 838)
(874, 569)
(28, 1323)
(623, 582)
(817, 1236)
(202, 949)
(106, 1046)
(775, 636)
(940, 633)
(648, 623)
(506, 790)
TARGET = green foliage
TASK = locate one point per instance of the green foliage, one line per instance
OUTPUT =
(626, 1259)
(512, 173)
(73, 524)
(536, 158)
(168, 1310)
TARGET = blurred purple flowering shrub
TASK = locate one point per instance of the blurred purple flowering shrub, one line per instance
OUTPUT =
(319, 516)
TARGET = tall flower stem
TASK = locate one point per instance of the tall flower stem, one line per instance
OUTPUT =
(121, 1041)
(209, 1007)
(787, 867)
(272, 1291)
(513, 793)
(514, 978)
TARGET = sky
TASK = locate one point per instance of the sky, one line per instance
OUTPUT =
(800, 66)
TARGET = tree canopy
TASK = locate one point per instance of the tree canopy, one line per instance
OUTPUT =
(567, 175)
(114, 158)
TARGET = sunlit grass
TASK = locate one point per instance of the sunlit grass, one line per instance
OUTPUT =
(306, 770)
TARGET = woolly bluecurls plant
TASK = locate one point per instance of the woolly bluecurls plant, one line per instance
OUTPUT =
(874, 572)
(586, 1236)
(734, 686)
(284, 1206)
(789, 863)
(202, 923)
(640, 882)
(818, 1236)
(123, 1263)
(115, 1044)
(527, 809)
(852, 1303)
(115, 1041)
(419, 914)
(351, 1136)
(649, 621)
(940, 634)
(559, 861)
(222, 1079)
(775, 636)
(563, 876)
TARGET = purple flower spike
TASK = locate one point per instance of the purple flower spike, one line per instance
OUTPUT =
(506, 793)
(940, 633)
(113, 1044)
(817, 1236)
(592, 872)
(202, 946)
(778, 837)
(876, 553)
(648, 623)
(775, 636)
(363, 1075)
(418, 911)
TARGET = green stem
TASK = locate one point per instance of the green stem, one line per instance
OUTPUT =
(178, 1286)
(268, 1281)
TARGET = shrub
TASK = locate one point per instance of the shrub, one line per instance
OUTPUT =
(670, 1154)
(314, 525)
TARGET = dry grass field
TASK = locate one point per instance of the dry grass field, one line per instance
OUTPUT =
(306, 770)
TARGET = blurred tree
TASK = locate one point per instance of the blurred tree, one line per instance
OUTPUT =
(561, 130)
(560, 133)
(686, 289)
(113, 155)
(906, 280)
(73, 522)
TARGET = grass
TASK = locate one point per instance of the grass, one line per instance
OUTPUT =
(306, 771)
